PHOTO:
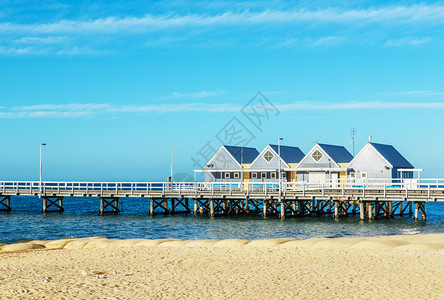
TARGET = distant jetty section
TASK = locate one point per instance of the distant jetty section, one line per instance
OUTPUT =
(369, 200)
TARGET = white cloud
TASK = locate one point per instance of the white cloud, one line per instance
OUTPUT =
(77, 110)
(408, 41)
(414, 93)
(390, 16)
(326, 41)
(40, 40)
(195, 95)
(360, 105)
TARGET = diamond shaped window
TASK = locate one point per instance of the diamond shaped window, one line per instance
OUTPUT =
(268, 156)
(317, 155)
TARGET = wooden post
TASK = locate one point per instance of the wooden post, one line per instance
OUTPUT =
(361, 211)
(282, 209)
(264, 214)
(211, 207)
(195, 207)
(173, 208)
(410, 208)
(390, 209)
(400, 208)
(376, 210)
(416, 211)
(423, 213)
(44, 205)
(165, 205)
(116, 205)
(336, 215)
(247, 209)
(101, 207)
(300, 208)
(369, 210)
(151, 207)
(7, 205)
(293, 205)
(187, 206)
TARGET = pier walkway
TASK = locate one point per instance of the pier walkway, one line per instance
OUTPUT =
(370, 199)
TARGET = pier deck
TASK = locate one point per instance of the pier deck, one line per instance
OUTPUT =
(369, 199)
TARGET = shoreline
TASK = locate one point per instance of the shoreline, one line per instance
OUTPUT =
(422, 241)
(380, 267)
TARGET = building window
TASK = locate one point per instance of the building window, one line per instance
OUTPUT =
(227, 175)
(264, 174)
(268, 156)
(236, 175)
(352, 175)
(364, 175)
(254, 175)
(273, 175)
(317, 155)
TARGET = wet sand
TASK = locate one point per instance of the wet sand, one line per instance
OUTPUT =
(389, 267)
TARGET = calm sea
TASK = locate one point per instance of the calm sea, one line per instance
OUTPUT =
(81, 219)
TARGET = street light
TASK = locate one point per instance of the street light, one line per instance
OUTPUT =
(40, 186)
(279, 175)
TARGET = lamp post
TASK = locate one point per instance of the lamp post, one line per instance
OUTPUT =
(279, 174)
(41, 167)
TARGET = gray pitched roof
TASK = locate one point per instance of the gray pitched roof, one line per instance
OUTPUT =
(289, 154)
(392, 155)
(248, 153)
(338, 153)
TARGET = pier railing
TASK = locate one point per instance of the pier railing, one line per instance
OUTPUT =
(30, 187)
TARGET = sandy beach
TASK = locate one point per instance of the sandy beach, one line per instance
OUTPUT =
(390, 267)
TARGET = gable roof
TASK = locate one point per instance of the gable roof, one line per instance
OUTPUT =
(248, 154)
(338, 153)
(289, 154)
(392, 155)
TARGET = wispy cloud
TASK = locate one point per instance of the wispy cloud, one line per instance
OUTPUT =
(408, 41)
(195, 95)
(391, 16)
(77, 110)
(414, 93)
(41, 40)
(310, 42)
(283, 27)
(360, 105)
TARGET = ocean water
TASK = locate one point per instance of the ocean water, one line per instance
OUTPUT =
(81, 219)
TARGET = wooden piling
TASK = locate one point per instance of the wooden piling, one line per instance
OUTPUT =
(369, 211)
(282, 209)
(390, 209)
(6, 203)
(336, 215)
(211, 207)
(416, 211)
(151, 207)
(361, 211)
(52, 201)
(264, 213)
(423, 212)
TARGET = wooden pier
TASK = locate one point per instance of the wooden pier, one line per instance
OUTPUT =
(369, 200)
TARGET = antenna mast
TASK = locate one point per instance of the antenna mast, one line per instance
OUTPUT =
(353, 132)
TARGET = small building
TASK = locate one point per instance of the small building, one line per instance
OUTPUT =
(228, 162)
(379, 161)
(265, 167)
(324, 163)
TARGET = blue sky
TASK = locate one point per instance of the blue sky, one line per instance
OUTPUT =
(110, 86)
